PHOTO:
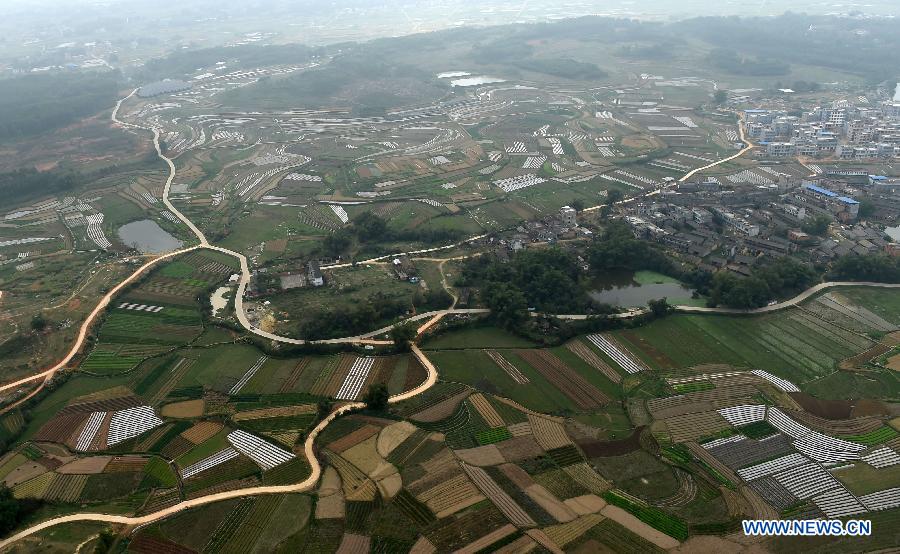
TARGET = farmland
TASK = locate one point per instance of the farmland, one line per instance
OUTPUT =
(339, 190)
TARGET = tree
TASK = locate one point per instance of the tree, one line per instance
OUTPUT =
(659, 308)
(817, 225)
(720, 96)
(38, 323)
(578, 205)
(507, 304)
(402, 335)
(9, 510)
(105, 541)
(866, 208)
(376, 398)
(323, 408)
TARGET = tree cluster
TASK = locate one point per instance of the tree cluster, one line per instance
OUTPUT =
(878, 269)
(34, 104)
(782, 278)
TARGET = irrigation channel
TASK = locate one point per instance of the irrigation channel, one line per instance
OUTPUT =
(308, 446)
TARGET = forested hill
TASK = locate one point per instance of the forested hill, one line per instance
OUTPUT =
(34, 104)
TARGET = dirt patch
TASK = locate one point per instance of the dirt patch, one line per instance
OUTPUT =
(640, 528)
(393, 436)
(330, 507)
(488, 455)
(552, 505)
(861, 359)
(354, 438)
(828, 409)
(601, 449)
(894, 362)
(85, 466)
(517, 475)
(647, 348)
(519, 448)
(74, 304)
(202, 431)
(24, 472)
(585, 504)
(866, 407)
(442, 409)
(186, 409)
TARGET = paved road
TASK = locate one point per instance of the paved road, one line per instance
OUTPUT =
(743, 151)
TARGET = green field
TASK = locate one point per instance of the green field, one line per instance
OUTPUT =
(475, 337)
(795, 350)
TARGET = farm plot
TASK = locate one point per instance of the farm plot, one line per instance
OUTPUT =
(486, 410)
(746, 452)
(131, 422)
(355, 379)
(549, 433)
(690, 427)
(882, 500)
(617, 353)
(744, 414)
(589, 357)
(516, 515)
(816, 445)
(510, 369)
(453, 494)
(210, 462)
(248, 375)
(772, 342)
(585, 395)
(260, 451)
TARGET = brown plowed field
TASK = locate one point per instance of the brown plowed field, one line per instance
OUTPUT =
(693, 426)
(146, 544)
(585, 395)
(332, 384)
(442, 410)
(856, 426)
(202, 431)
(62, 427)
(486, 410)
(125, 464)
(354, 438)
(598, 449)
(549, 434)
(415, 373)
(588, 356)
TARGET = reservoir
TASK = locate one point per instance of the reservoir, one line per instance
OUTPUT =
(147, 236)
(625, 289)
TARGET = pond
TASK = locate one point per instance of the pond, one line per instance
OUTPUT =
(625, 289)
(147, 236)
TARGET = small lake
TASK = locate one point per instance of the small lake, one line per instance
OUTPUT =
(147, 236)
(622, 289)
(475, 81)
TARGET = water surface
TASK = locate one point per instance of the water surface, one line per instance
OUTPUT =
(147, 236)
(619, 288)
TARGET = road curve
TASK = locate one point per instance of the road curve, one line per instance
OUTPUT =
(743, 151)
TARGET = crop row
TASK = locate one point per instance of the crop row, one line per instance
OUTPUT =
(654, 517)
